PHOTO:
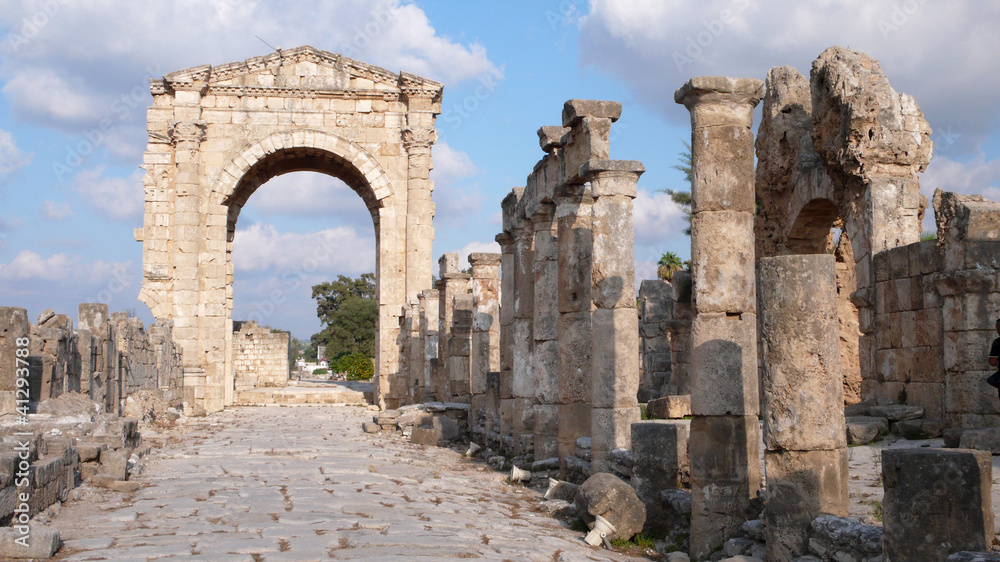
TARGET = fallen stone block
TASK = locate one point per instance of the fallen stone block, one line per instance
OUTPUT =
(42, 542)
(937, 501)
(851, 539)
(114, 463)
(862, 430)
(545, 465)
(370, 427)
(558, 508)
(896, 412)
(669, 407)
(918, 429)
(985, 439)
(859, 409)
(952, 437)
(90, 452)
(578, 465)
(442, 430)
(607, 495)
(562, 491)
(413, 417)
(754, 530)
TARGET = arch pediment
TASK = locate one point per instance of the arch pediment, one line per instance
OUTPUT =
(294, 72)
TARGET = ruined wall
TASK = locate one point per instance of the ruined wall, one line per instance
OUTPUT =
(936, 306)
(665, 337)
(260, 356)
(106, 359)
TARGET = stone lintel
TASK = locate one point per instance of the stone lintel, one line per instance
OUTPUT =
(575, 110)
(550, 137)
(720, 89)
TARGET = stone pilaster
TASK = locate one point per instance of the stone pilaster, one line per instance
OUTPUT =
(615, 323)
(506, 392)
(418, 138)
(523, 370)
(429, 302)
(724, 395)
(460, 342)
(452, 283)
(575, 240)
(545, 332)
(805, 441)
(484, 357)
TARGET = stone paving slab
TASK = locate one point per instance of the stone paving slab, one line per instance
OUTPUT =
(305, 483)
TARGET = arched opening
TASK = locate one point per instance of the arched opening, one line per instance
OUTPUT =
(297, 230)
(818, 228)
(278, 156)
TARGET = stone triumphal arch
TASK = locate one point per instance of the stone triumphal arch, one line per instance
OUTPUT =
(216, 133)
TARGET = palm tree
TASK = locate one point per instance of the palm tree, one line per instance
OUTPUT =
(667, 265)
(683, 198)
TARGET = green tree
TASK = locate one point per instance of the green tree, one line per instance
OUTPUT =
(683, 198)
(349, 312)
(668, 264)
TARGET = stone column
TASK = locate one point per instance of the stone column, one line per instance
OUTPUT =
(93, 317)
(415, 353)
(429, 301)
(725, 470)
(615, 322)
(506, 242)
(14, 326)
(460, 342)
(452, 283)
(805, 441)
(418, 137)
(484, 356)
(545, 331)
(937, 502)
(523, 371)
(574, 207)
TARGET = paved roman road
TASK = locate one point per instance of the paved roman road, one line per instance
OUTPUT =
(305, 483)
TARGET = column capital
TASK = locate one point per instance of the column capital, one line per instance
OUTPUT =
(418, 139)
(483, 258)
(720, 89)
(506, 242)
(187, 131)
(612, 177)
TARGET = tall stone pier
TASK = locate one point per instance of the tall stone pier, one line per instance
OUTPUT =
(805, 441)
(615, 322)
(484, 356)
(573, 212)
(523, 371)
(724, 443)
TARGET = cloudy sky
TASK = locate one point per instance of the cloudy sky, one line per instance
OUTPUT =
(71, 191)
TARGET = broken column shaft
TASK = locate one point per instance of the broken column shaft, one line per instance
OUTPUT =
(725, 471)
(805, 455)
(484, 356)
(545, 332)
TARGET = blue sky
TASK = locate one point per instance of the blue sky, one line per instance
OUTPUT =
(74, 87)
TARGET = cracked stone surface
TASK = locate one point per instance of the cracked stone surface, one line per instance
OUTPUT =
(306, 483)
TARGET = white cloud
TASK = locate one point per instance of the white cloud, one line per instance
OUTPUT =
(657, 218)
(115, 198)
(456, 200)
(472, 248)
(28, 265)
(56, 211)
(261, 249)
(11, 157)
(937, 52)
(309, 194)
(88, 54)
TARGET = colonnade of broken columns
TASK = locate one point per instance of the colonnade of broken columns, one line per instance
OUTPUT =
(558, 358)
(554, 356)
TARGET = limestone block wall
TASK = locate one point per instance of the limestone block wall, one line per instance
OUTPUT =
(936, 306)
(665, 319)
(260, 356)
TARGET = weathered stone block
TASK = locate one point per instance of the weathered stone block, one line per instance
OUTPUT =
(937, 502)
(659, 458)
(862, 430)
(723, 271)
(610, 428)
(669, 407)
(608, 496)
(724, 365)
(800, 486)
(13, 326)
(615, 358)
